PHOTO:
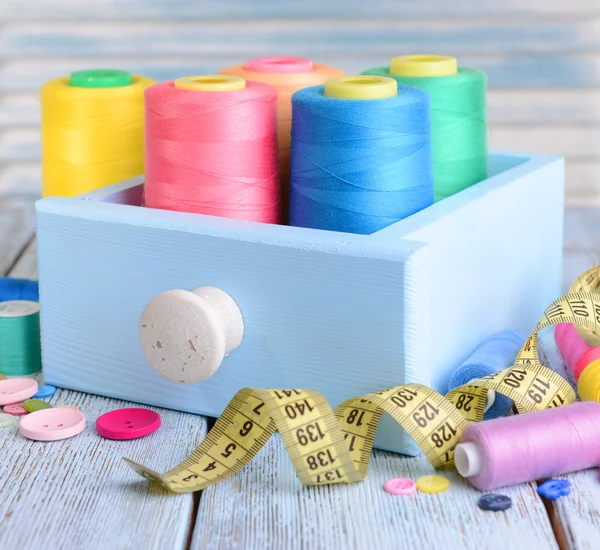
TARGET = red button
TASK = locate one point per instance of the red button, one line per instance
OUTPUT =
(127, 423)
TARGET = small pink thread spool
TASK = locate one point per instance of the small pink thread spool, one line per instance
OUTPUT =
(582, 360)
(527, 447)
(211, 148)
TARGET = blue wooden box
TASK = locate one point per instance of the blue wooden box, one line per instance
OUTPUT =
(341, 313)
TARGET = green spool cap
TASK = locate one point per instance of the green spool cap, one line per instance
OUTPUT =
(100, 78)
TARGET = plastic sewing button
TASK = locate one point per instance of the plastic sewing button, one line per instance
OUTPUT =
(494, 502)
(44, 392)
(127, 423)
(33, 405)
(15, 409)
(554, 488)
(14, 390)
(6, 420)
(52, 424)
(2, 377)
(400, 486)
(432, 484)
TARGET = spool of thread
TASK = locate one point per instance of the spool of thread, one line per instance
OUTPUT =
(211, 148)
(582, 360)
(495, 354)
(361, 154)
(18, 289)
(527, 447)
(458, 117)
(20, 348)
(92, 131)
(287, 75)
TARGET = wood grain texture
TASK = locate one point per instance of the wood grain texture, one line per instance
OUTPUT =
(80, 493)
(264, 506)
(312, 37)
(16, 229)
(275, 9)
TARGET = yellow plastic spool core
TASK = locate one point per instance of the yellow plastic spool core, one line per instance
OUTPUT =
(361, 87)
(211, 83)
(588, 385)
(423, 65)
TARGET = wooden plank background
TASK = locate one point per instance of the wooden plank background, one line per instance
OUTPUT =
(542, 58)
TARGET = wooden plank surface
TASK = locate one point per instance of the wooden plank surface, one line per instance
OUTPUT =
(264, 506)
(275, 9)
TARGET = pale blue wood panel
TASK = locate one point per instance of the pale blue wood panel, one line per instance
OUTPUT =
(264, 506)
(277, 9)
(79, 493)
(317, 38)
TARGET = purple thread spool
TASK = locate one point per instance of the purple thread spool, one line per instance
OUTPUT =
(521, 448)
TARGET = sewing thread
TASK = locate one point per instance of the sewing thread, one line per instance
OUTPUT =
(527, 447)
(20, 348)
(361, 159)
(18, 289)
(458, 117)
(211, 148)
(495, 354)
(287, 75)
(92, 131)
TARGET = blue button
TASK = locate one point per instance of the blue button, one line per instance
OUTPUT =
(554, 488)
(494, 502)
(44, 392)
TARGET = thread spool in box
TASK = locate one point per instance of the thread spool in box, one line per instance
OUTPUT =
(20, 349)
(458, 117)
(287, 75)
(211, 148)
(527, 447)
(583, 360)
(92, 130)
(361, 154)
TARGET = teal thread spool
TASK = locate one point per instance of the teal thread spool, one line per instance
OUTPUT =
(20, 348)
(458, 117)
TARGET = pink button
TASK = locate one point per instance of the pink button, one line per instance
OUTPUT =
(280, 65)
(16, 409)
(127, 423)
(52, 424)
(400, 486)
(14, 390)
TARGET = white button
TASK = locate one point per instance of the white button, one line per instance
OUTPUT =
(185, 335)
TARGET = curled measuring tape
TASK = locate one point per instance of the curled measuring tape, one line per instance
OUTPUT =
(334, 446)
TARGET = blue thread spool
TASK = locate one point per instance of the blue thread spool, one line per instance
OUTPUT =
(361, 154)
(18, 289)
(494, 354)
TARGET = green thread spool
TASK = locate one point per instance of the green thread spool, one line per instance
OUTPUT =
(458, 117)
(20, 348)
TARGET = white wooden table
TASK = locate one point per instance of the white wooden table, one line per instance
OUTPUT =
(78, 493)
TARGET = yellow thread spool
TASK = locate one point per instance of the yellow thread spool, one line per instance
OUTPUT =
(423, 65)
(210, 83)
(92, 131)
(361, 87)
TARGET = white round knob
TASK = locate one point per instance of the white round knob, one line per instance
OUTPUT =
(185, 335)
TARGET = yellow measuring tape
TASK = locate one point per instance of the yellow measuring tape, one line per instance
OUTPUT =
(334, 446)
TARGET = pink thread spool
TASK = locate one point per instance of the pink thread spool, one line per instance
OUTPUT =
(211, 148)
(527, 447)
(582, 360)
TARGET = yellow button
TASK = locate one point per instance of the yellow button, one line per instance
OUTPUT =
(432, 484)
(2, 377)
